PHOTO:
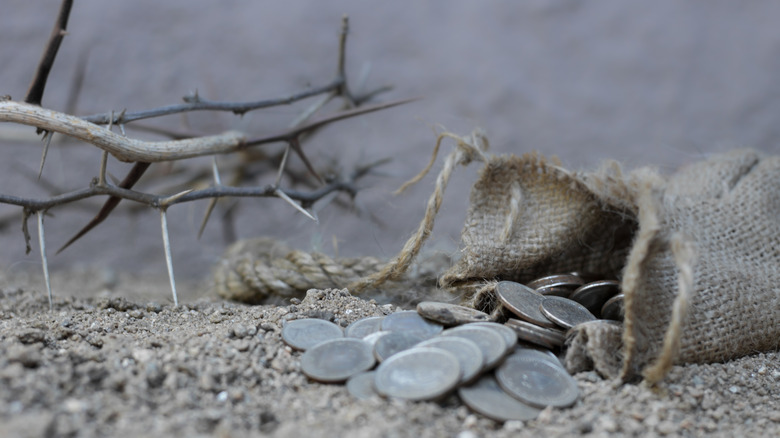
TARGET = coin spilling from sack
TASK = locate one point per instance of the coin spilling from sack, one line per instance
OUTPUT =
(504, 370)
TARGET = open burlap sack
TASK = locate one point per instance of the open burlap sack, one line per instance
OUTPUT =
(698, 253)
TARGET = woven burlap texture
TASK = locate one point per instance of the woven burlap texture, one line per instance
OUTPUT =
(698, 253)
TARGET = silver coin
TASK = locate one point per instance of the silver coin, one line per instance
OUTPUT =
(559, 280)
(487, 398)
(409, 320)
(418, 374)
(450, 314)
(537, 381)
(594, 295)
(523, 302)
(509, 335)
(303, 334)
(394, 342)
(548, 338)
(541, 353)
(337, 360)
(555, 291)
(361, 385)
(489, 341)
(588, 277)
(363, 327)
(613, 308)
(372, 338)
(565, 312)
(465, 350)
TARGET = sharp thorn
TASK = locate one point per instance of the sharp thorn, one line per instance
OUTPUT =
(46, 137)
(44, 261)
(282, 165)
(168, 259)
(209, 209)
(290, 201)
(166, 202)
(215, 170)
(296, 146)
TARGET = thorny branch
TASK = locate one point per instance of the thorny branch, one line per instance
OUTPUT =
(144, 153)
(35, 92)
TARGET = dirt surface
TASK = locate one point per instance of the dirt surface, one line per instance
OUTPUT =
(658, 83)
(124, 366)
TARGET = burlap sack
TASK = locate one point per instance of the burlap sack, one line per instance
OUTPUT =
(698, 253)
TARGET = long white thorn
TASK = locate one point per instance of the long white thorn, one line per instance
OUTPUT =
(213, 201)
(282, 165)
(215, 169)
(290, 201)
(48, 136)
(44, 262)
(168, 259)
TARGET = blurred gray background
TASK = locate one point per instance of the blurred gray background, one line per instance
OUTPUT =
(660, 83)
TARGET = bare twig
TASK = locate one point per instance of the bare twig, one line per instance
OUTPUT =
(306, 198)
(132, 177)
(196, 103)
(35, 92)
(127, 149)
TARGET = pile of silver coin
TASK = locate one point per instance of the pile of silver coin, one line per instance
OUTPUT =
(504, 371)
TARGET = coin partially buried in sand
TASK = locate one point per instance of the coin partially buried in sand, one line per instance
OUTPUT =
(486, 397)
(537, 381)
(303, 334)
(450, 314)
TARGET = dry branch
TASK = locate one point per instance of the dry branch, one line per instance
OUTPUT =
(35, 92)
(131, 150)
(143, 153)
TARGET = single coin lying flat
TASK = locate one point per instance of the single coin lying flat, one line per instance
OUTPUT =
(302, 334)
(486, 397)
(418, 374)
(537, 381)
(337, 360)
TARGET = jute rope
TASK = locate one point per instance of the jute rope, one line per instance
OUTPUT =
(256, 269)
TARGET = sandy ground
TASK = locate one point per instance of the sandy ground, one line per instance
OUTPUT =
(127, 366)
(658, 83)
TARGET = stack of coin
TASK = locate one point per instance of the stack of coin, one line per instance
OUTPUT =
(506, 371)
